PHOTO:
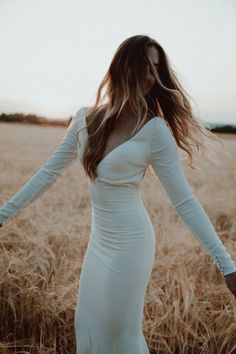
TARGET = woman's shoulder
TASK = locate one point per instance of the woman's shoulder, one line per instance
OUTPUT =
(161, 121)
(80, 112)
(80, 116)
(162, 134)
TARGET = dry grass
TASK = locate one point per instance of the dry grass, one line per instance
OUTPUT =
(188, 307)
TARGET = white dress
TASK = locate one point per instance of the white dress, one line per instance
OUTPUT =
(121, 248)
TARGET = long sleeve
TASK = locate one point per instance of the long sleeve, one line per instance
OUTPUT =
(164, 159)
(62, 157)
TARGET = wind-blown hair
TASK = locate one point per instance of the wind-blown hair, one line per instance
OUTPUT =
(124, 84)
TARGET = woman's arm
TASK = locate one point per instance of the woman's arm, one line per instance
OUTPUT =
(63, 157)
(164, 159)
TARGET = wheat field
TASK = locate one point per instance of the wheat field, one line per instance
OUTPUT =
(188, 307)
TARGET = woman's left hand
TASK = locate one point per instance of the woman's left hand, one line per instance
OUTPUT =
(230, 280)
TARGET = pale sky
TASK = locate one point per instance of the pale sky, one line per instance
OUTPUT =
(54, 53)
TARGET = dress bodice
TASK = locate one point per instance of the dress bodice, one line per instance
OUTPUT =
(127, 162)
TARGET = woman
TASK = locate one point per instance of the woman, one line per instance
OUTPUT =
(146, 117)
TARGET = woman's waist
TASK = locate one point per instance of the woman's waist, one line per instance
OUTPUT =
(120, 216)
(108, 196)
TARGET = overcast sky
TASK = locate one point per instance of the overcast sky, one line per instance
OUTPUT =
(54, 53)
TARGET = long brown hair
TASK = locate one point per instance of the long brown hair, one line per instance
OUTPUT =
(124, 83)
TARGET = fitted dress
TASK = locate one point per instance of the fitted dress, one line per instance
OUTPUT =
(119, 258)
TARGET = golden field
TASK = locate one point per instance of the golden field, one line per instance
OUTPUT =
(188, 307)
